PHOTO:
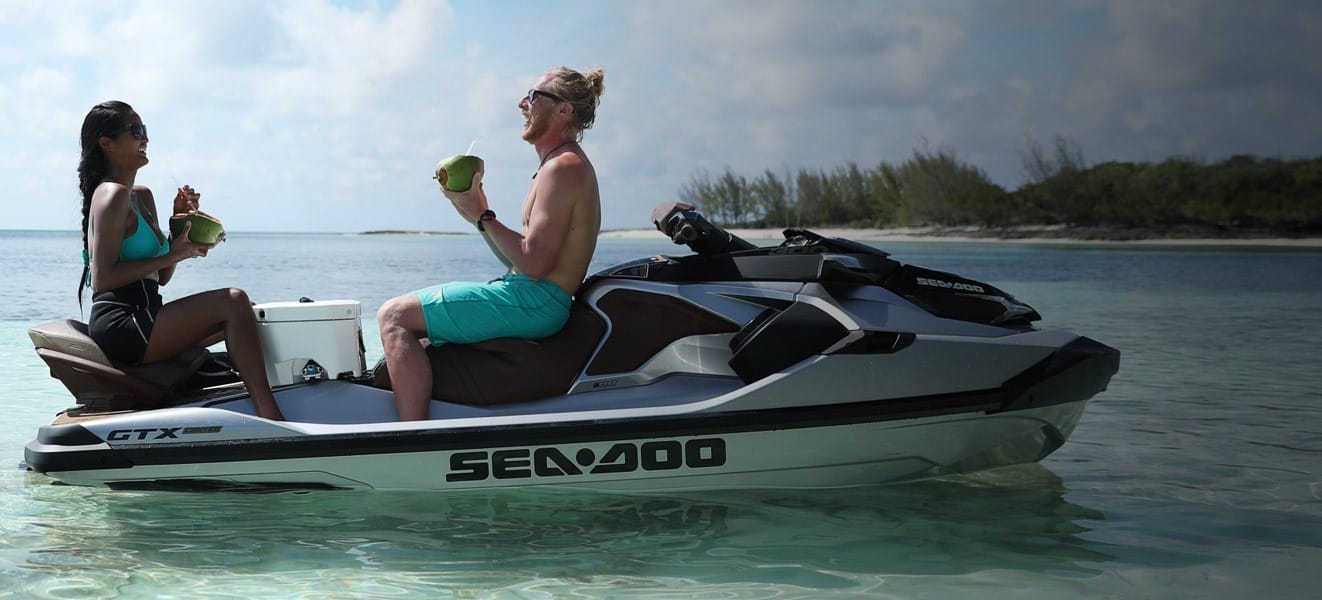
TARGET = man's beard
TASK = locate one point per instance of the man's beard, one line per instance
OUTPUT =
(535, 129)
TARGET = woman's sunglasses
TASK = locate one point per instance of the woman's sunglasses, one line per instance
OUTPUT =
(139, 131)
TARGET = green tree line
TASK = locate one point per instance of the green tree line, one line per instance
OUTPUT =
(1240, 194)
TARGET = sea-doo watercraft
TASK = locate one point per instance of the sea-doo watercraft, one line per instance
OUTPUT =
(817, 362)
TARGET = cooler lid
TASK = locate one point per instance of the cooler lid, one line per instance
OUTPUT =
(321, 310)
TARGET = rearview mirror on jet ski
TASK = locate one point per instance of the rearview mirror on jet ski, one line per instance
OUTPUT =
(683, 224)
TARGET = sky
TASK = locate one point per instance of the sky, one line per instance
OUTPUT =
(330, 116)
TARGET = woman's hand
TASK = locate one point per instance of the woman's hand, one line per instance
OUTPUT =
(183, 248)
(470, 204)
(186, 199)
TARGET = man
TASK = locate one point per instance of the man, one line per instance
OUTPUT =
(547, 260)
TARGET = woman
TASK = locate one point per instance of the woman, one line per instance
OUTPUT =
(128, 258)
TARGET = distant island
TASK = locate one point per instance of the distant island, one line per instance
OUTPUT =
(1240, 197)
(1045, 234)
(406, 232)
(934, 195)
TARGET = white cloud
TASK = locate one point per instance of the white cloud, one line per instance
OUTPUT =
(1202, 79)
(325, 115)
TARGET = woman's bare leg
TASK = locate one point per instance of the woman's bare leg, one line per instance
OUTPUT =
(189, 322)
(402, 324)
(214, 338)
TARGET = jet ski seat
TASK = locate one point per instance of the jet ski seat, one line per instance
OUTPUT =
(100, 385)
(509, 370)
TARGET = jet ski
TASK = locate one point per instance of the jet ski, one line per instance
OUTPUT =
(816, 362)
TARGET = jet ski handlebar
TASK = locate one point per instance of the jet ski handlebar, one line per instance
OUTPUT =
(683, 224)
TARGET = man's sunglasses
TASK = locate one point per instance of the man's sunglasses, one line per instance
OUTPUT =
(139, 131)
(533, 94)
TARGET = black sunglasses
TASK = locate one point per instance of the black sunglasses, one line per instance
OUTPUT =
(139, 131)
(533, 94)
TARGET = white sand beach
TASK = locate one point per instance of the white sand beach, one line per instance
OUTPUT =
(1038, 235)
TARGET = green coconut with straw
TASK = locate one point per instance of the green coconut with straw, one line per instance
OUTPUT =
(206, 228)
(456, 172)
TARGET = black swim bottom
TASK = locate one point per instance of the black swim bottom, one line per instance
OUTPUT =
(122, 319)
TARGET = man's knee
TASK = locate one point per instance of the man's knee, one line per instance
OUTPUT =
(396, 312)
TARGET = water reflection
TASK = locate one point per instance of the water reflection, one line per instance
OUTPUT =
(1015, 519)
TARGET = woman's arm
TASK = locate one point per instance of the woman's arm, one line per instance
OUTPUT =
(111, 210)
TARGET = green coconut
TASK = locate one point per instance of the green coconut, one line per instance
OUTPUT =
(456, 173)
(206, 228)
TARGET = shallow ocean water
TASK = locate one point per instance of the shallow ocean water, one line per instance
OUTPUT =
(1197, 474)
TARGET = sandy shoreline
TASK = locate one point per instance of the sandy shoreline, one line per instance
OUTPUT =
(1034, 236)
(766, 237)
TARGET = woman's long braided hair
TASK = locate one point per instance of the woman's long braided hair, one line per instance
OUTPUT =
(104, 118)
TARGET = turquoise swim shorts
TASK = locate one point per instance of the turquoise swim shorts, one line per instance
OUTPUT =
(514, 306)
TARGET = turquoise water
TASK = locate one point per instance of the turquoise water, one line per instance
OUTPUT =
(1197, 474)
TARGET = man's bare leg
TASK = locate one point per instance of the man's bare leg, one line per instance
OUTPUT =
(402, 325)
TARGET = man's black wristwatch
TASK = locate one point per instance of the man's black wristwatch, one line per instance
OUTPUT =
(487, 215)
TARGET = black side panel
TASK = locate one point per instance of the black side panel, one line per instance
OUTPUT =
(644, 323)
(1078, 371)
(84, 449)
(953, 297)
(880, 342)
(801, 267)
(69, 434)
(777, 339)
(792, 264)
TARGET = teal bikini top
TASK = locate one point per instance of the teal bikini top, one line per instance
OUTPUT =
(143, 244)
